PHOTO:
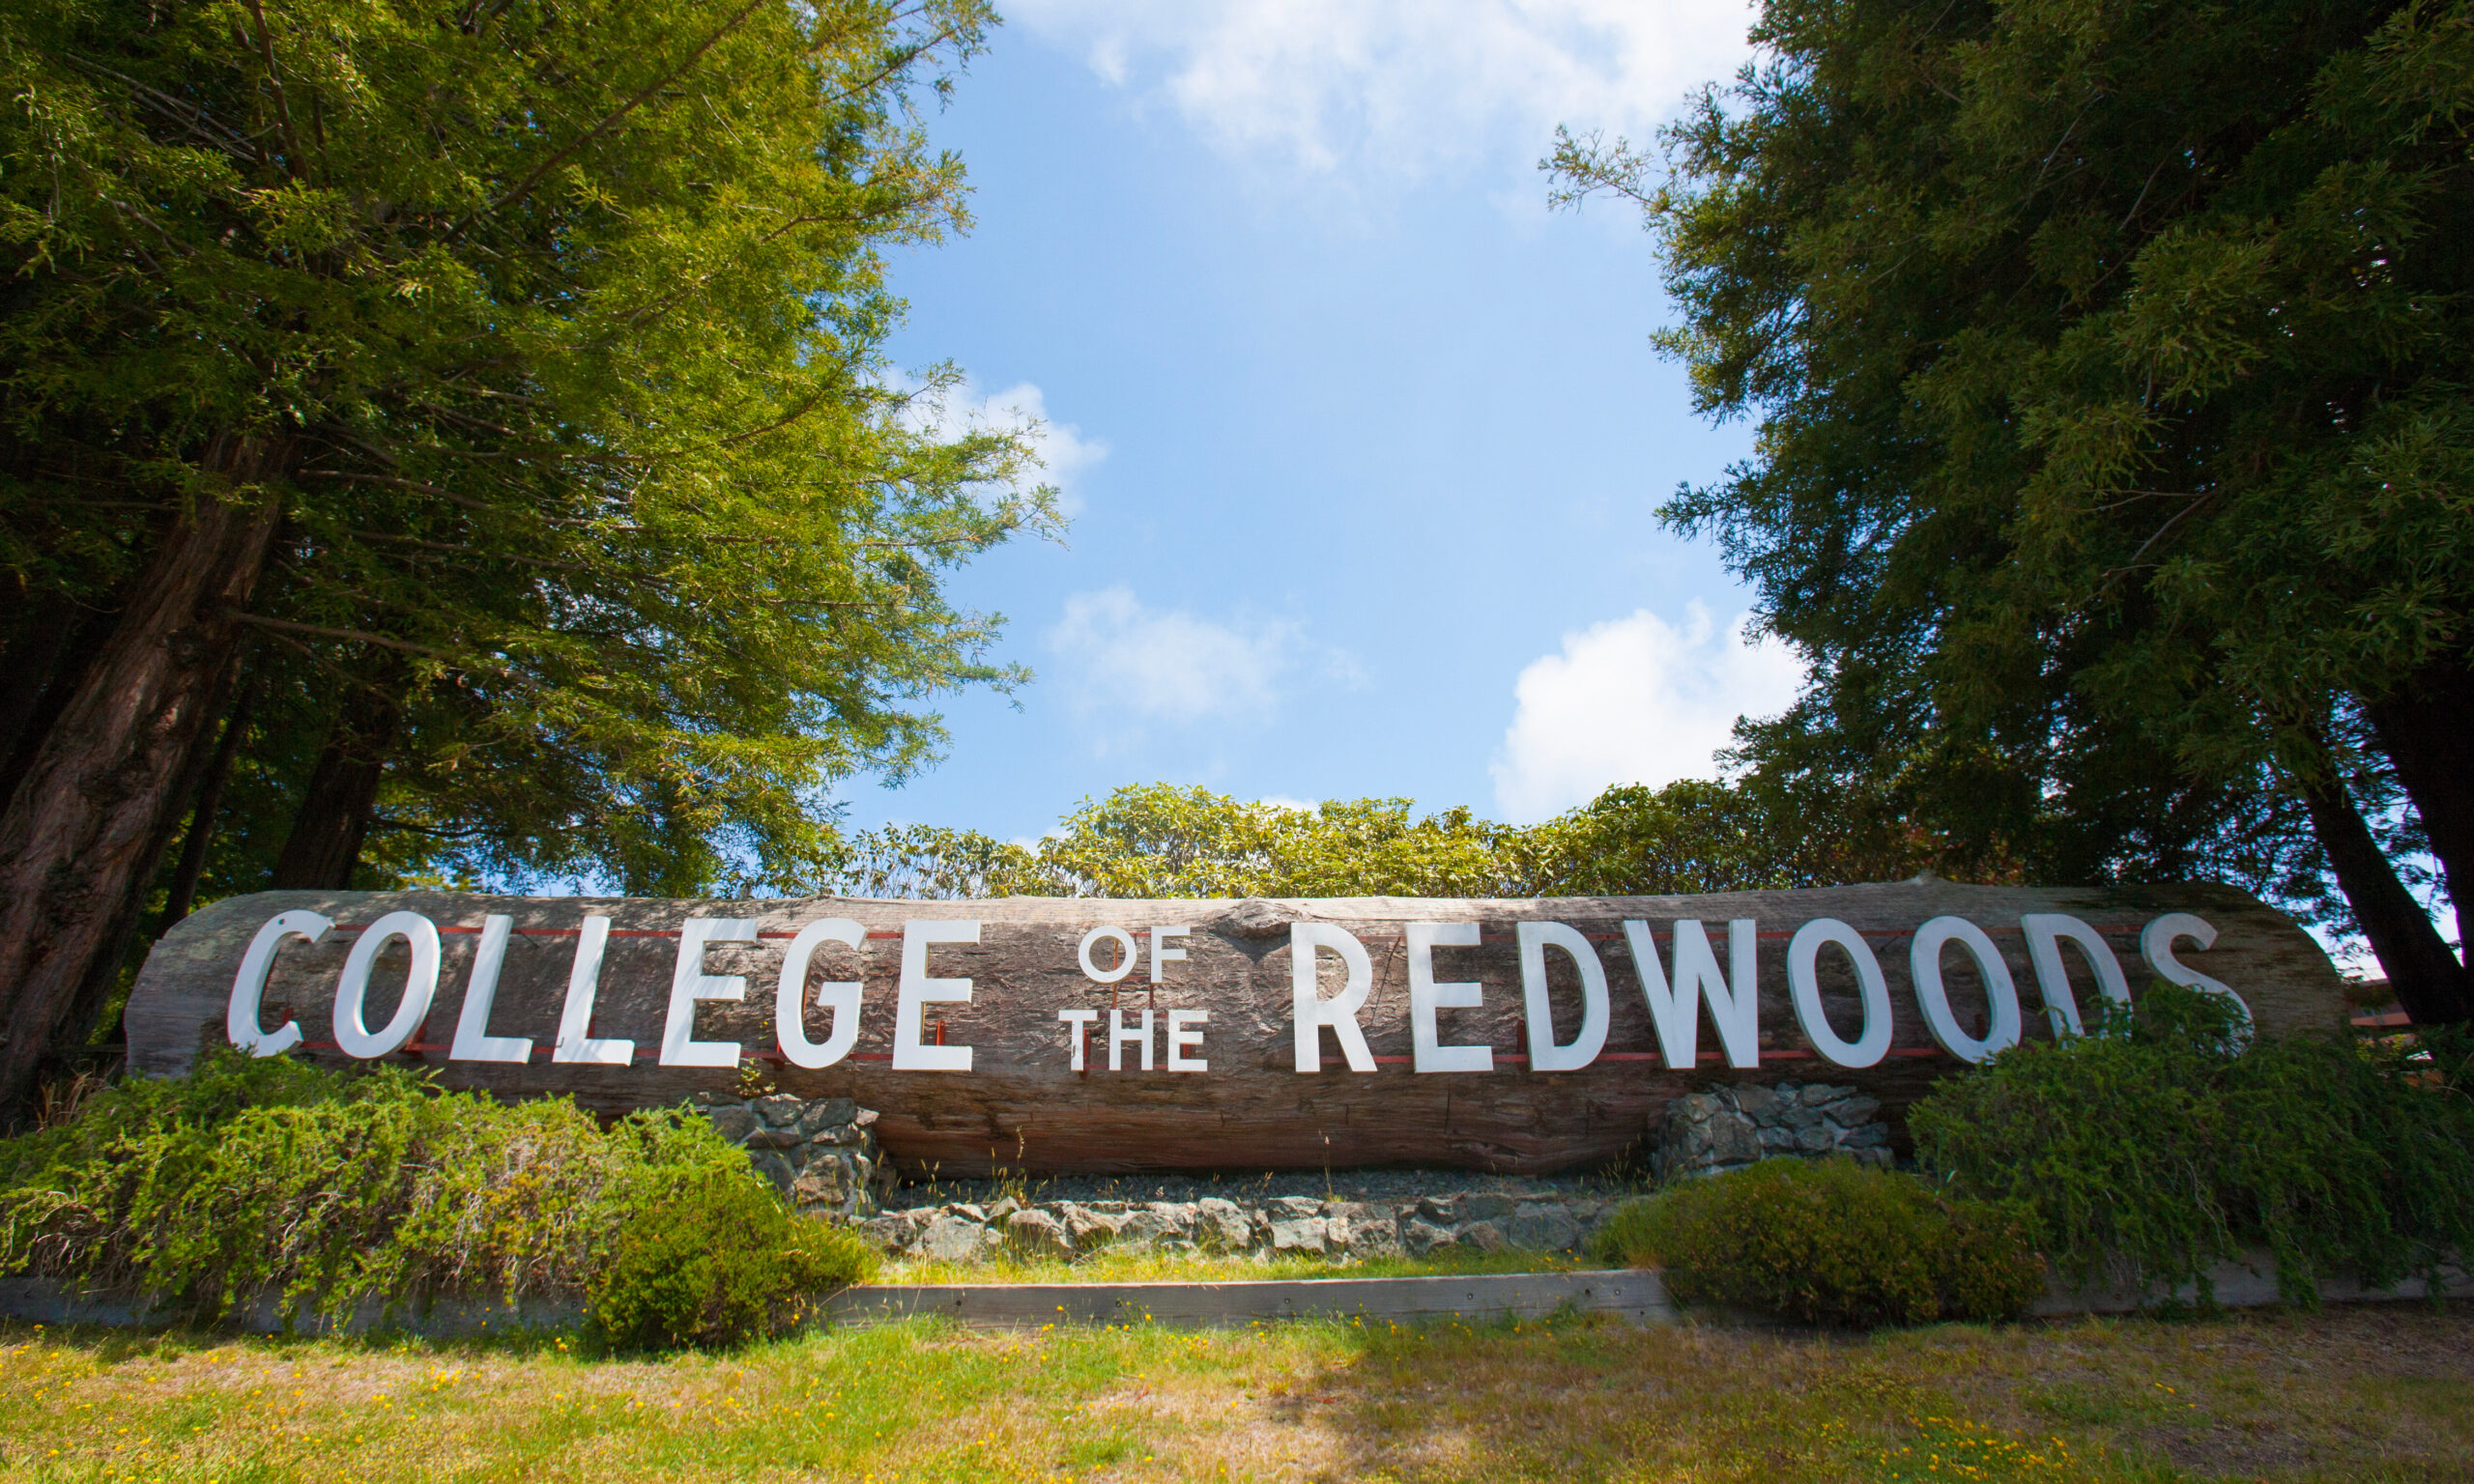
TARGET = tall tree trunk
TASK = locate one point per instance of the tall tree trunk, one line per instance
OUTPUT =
(39, 676)
(191, 864)
(2428, 731)
(2428, 980)
(86, 826)
(323, 848)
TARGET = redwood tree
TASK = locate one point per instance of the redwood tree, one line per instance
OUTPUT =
(506, 378)
(2115, 369)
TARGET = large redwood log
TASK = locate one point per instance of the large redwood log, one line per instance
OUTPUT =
(1020, 1105)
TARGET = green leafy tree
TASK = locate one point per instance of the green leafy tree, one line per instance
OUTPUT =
(2112, 368)
(1162, 840)
(503, 383)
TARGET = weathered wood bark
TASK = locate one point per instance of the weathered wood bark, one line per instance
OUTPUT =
(89, 818)
(1021, 1106)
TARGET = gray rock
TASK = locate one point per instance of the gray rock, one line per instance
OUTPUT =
(773, 1167)
(1420, 1237)
(732, 1120)
(1819, 1139)
(1734, 1142)
(779, 1109)
(1375, 1236)
(953, 1240)
(1482, 1207)
(968, 1212)
(1005, 1207)
(1817, 1095)
(1300, 1234)
(1484, 1236)
(1865, 1137)
(1086, 1227)
(1759, 1103)
(1542, 1226)
(1293, 1205)
(1036, 1234)
(773, 1138)
(1221, 1226)
(827, 1113)
(1161, 1224)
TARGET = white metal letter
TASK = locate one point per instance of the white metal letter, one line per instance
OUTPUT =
(1735, 1008)
(841, 996)
(689, 983)
(2045, 932)
(1426, 997)
(2156, 946)
(1924, 963)
(474, 1042)
(249, 986)
(1081, 1020)
(1543, 1054)
(910, 1053)
(352, 991)
(1180, 1038)
(1128, 956)
(1118, 1036)
(1873, 1042)
(1160, 955)
(575, 1019)
(1340, 1013)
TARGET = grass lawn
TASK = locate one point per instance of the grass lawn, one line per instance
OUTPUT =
(2367, 1392)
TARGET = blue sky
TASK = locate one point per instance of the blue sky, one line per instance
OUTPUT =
(1363, 442)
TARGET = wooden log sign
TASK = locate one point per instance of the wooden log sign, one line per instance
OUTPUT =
(1044, 1035)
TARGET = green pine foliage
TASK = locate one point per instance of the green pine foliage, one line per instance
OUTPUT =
(2169, 1140)
(329, 1189)
(2110, 363)
(1830, 1243)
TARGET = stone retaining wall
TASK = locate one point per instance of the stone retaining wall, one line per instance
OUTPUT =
(1281, 1226)
(1729, 1128)
(820, 1153)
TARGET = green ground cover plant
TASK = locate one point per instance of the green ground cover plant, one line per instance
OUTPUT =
(2171, 1138)
(1830, 1243)
(331, 1188)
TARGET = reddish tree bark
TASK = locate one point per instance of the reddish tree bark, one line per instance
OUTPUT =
(2428, 731)
(87, 825)
(323, 848)
(2428, 980)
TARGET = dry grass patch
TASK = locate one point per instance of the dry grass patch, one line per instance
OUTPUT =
(2369, 1393)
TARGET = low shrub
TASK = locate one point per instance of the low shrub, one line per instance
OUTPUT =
(715, 1260)
(328, 1188)
(1830, 1243)
(2169, 1140)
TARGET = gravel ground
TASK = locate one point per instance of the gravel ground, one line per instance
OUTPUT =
(1381, 1186)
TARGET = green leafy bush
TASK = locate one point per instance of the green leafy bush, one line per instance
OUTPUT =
(2158, 1145)
(329, 1189)
(713, 1260)
(1830, 1243)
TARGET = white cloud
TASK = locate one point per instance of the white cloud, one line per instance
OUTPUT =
(1128, 662)
(1635, 700)
(1401, 85)
(1064, 454)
